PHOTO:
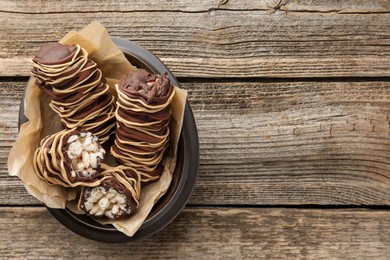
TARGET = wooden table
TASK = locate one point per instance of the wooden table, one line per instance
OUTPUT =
(292, 104)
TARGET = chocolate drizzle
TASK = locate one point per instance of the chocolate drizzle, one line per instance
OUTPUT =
(143, 115)
(54, 53)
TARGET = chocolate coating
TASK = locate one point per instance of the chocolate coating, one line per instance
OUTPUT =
(151, 88)
(54, 53)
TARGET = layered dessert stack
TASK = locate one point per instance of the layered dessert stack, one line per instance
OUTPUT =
(74, 83)
(143, 114)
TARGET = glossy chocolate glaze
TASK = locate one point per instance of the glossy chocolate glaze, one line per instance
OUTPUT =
(54, 53)
(151, 88)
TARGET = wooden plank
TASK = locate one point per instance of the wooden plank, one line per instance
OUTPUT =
(360, 6)
(262, 39)
(133, 6)
(293, 142)
(269, 143)
(199, 233)
(341, 7)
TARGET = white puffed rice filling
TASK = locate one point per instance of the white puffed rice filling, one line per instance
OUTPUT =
(84, 151)
(102, 202)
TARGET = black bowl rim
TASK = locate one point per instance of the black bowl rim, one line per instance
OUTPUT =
(190, 164)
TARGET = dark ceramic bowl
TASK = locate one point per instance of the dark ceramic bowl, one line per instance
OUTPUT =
(184, 177)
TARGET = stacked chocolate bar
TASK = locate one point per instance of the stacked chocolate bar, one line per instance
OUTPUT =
(74, 83)
(143, 115)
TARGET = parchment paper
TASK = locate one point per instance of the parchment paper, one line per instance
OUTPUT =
(43, 121)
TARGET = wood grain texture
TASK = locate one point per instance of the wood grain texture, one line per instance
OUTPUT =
(278, 142)
(293, 142)
(17, 6)
(270, 143)
(218, 38)
(199, 233)
(341, 7)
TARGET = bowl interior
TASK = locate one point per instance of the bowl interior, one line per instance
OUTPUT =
(184, 177)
